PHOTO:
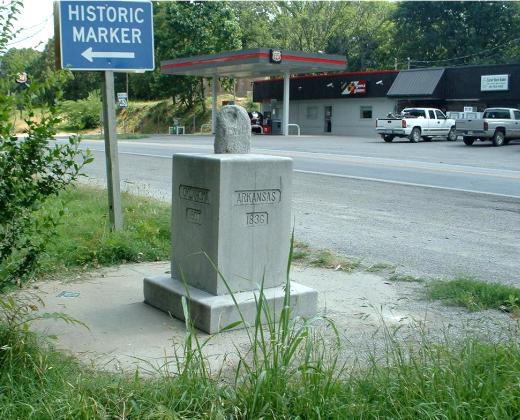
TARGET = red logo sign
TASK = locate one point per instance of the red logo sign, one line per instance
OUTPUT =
(355, 87)
(275, 56)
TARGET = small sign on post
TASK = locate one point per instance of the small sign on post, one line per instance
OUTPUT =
(108, 36)
(122, 99)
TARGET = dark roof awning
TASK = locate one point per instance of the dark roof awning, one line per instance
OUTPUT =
(253, 63)
(416, 82)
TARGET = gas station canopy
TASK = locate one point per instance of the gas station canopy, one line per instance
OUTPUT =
(254, 63)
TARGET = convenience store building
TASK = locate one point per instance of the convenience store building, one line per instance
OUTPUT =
(348, 103)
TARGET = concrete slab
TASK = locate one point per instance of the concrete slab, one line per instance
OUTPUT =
(125, 333)
(213, 313)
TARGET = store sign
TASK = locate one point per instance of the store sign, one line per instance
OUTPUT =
(275, 56)
(355, 87)
(494, 82)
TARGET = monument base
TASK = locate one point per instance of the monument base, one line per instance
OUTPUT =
(212, 313)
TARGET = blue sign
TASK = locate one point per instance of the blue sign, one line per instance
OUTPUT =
(106, 35)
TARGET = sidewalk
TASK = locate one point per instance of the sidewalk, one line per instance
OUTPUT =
(125, 333)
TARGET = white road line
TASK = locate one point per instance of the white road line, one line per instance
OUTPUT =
(367, 160)
(412, 184)
(361, 178)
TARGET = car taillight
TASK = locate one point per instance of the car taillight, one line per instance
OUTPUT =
(486, 126)
(403, 123)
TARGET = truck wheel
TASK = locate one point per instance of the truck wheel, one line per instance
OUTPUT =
(415, 135)
(498, 138)
(468, 141)
(388, 139)
(452, 135)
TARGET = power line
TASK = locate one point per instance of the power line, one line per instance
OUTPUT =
(43, 22)
(467, 56)
(42, 26)
(26, 38)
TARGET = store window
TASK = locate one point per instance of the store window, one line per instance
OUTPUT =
(365, 112)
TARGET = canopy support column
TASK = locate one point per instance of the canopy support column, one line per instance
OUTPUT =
(285, 119)
(214, 90)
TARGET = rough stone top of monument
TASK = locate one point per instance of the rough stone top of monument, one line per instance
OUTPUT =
(233, 130)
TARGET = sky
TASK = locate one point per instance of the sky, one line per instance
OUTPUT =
(36, 25)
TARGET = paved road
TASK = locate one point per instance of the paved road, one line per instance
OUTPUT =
(480, 168)
(421, 217)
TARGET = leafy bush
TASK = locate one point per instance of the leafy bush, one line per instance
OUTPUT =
(31, 170)
(84, 113)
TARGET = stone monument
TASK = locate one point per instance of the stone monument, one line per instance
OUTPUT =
(231, 227)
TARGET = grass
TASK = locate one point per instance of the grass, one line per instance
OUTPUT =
(323, 258)
(405, 278)
(290, 370)
(377, 268)
(120, 136)
(295, 375)
(476, 295)
(84, 239)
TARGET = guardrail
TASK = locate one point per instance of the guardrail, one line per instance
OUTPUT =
(293, 125)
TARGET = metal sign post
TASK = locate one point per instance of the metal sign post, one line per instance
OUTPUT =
(111, 154)
(106, 36)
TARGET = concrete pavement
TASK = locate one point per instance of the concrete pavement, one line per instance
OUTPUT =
(448, 165)
(125, 333)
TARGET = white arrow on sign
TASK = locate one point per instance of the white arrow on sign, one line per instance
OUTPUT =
(90, 55)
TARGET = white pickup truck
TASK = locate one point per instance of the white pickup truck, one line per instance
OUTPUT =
(499, 125)
(416, 123)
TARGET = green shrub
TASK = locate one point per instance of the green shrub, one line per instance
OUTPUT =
(84, 113)
(31, 170)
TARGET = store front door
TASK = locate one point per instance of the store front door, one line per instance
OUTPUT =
(328, 119)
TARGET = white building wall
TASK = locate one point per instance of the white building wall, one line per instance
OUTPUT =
(346, 115)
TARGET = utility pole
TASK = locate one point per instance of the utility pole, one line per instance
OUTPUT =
(395, 63)
(408, 63)
(115, 213)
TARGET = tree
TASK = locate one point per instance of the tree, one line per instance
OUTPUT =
(31, 170)
(76, 87)
(449, 33)
(192, 28)
(366, 37)
(308, 25)
(16, 61)
(360, 30)
(256, 21)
